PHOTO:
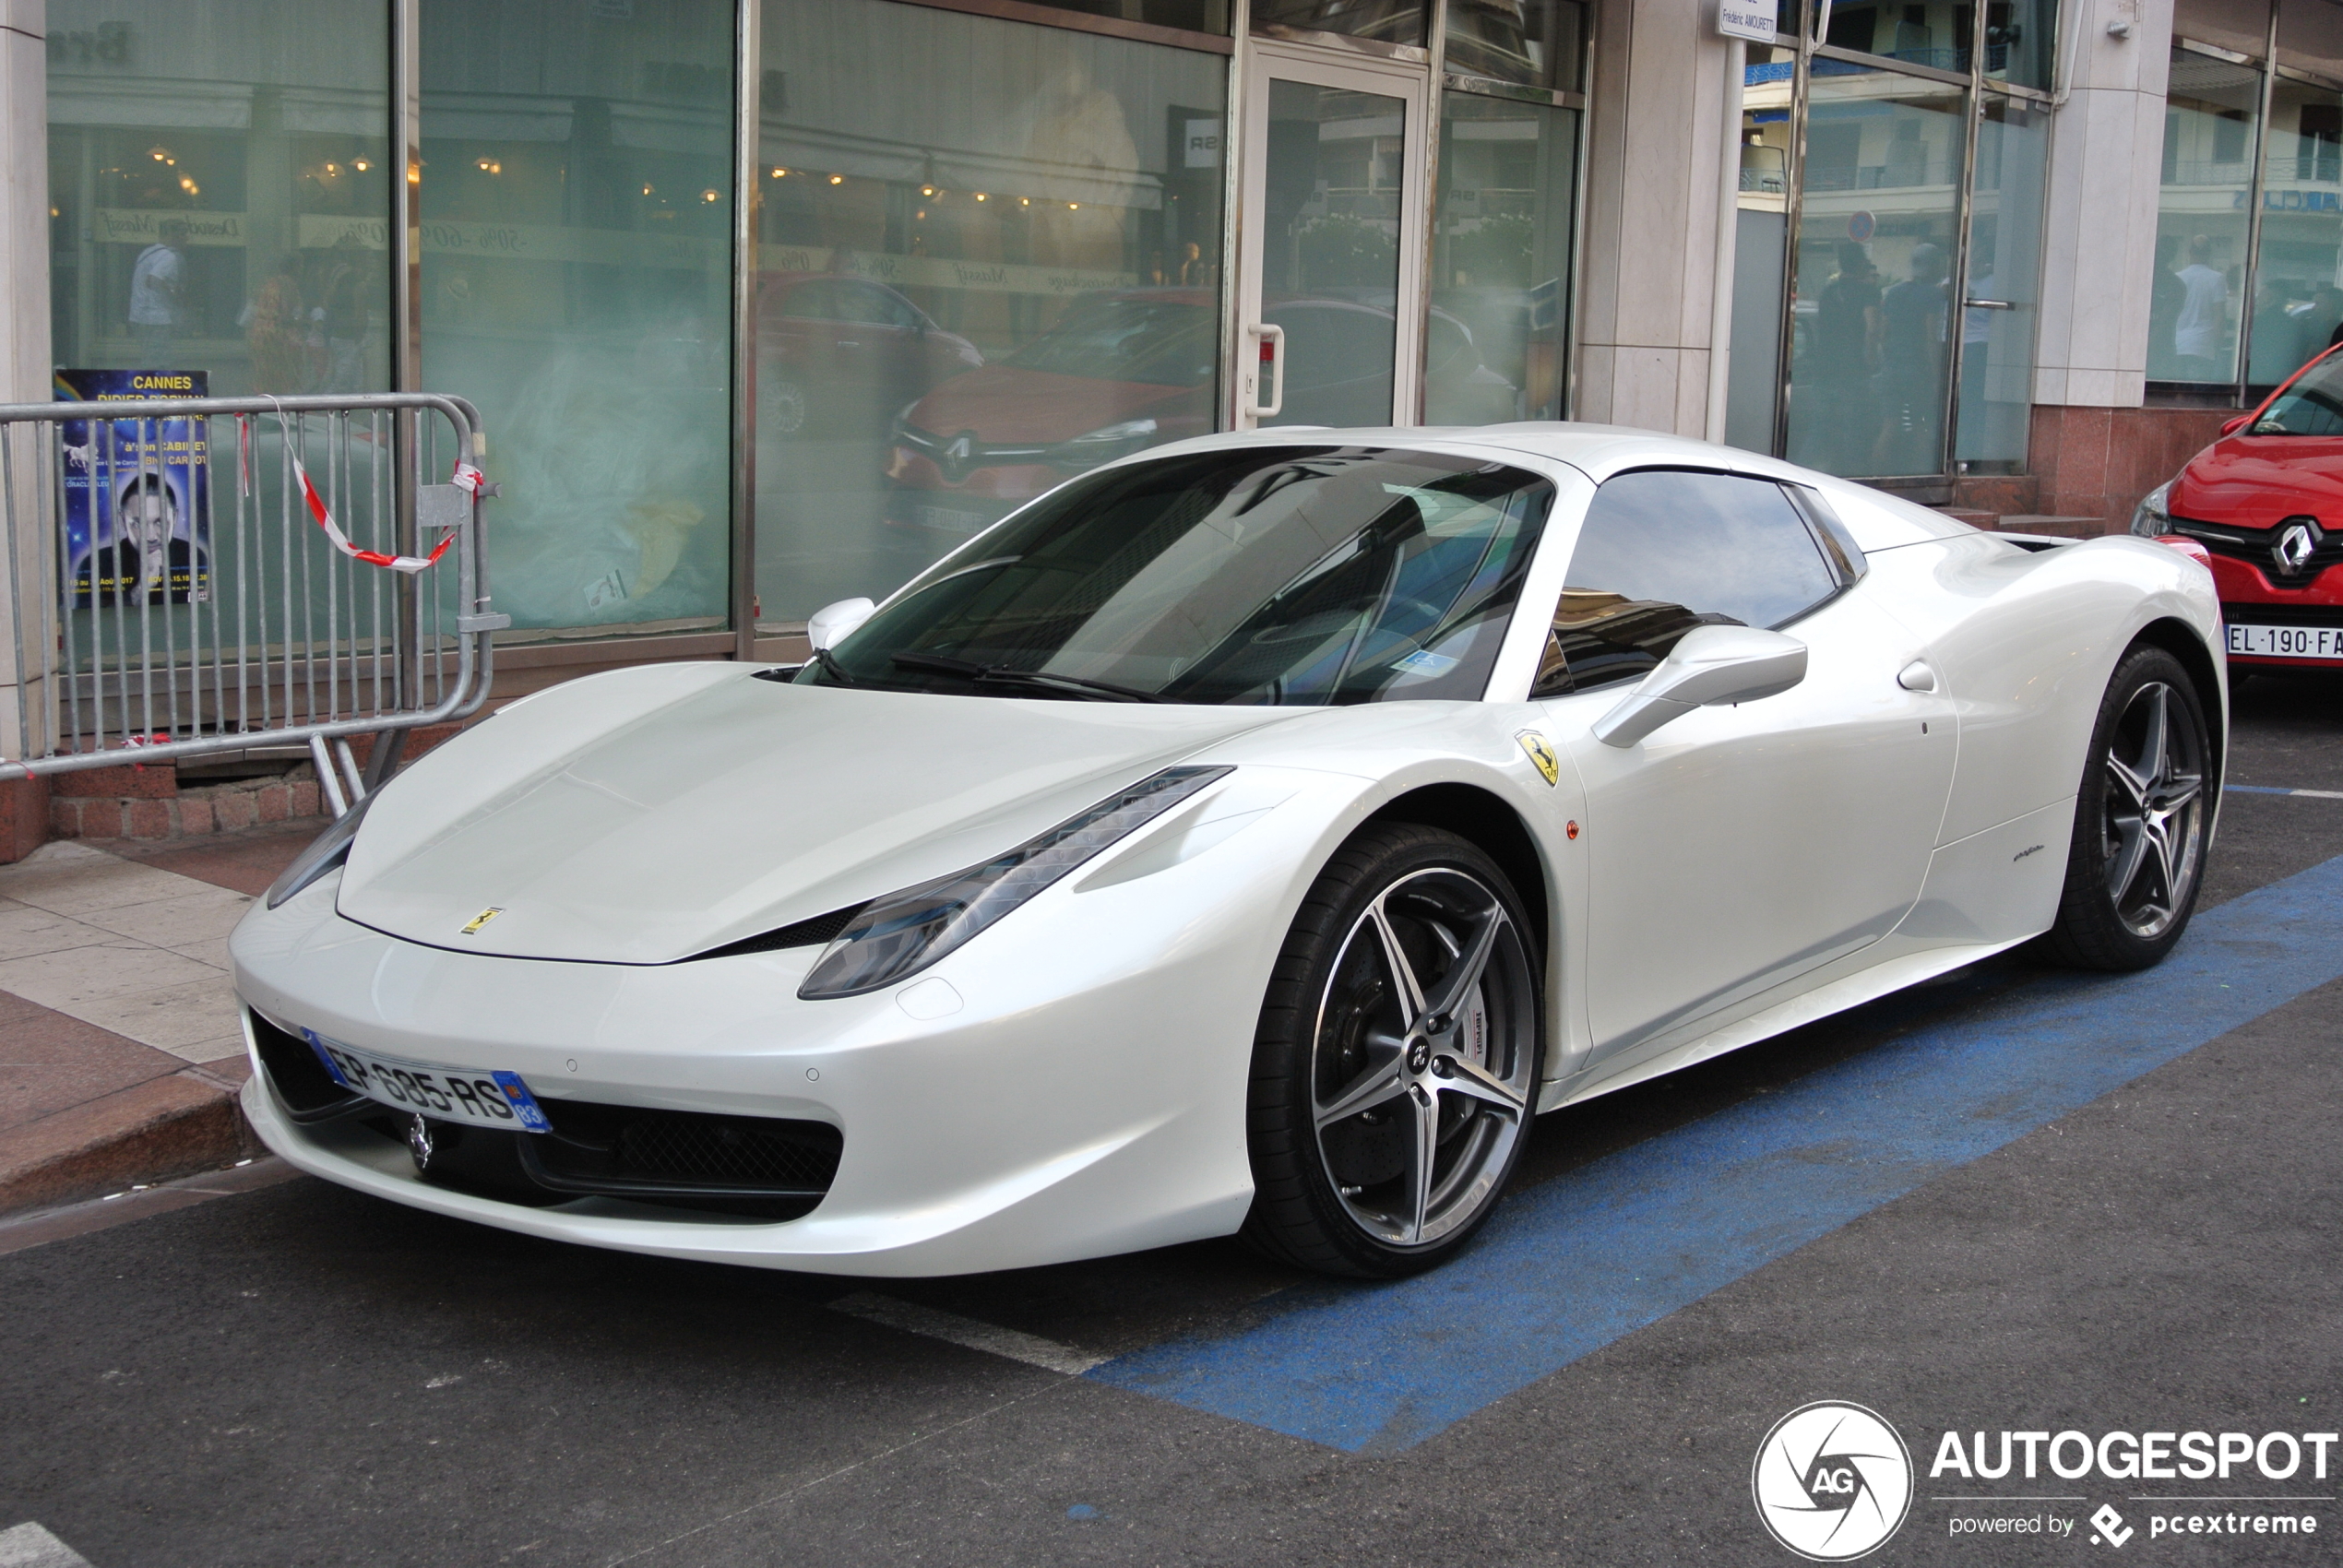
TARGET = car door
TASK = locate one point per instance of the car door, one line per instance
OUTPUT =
(1737, 846)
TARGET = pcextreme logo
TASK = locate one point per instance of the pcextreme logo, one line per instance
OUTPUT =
(1832, 1481)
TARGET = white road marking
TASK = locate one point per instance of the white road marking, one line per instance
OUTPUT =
(29, 1546)
(968, 1333)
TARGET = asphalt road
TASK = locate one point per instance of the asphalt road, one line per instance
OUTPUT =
(302, 1375)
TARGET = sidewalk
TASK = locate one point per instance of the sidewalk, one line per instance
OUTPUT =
(120, 1050)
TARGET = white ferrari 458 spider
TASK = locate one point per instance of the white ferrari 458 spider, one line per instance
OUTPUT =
(1249, 837)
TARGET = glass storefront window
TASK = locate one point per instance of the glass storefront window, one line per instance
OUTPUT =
(1532, 42)
(576, 196)
(1872, 289)
(967, 296)
(1999, 314)
(2020, 36)
(2242, 25)
(1387, 21)
(2310, 36)
(220, 193)
(2201, 229)
(1189, 16)
(1501, 259)
(2298, 307)
(1760, 243)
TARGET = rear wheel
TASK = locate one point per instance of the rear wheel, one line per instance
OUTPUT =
(1394, 1070)
(2140, 821)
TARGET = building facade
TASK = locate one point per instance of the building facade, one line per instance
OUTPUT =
(770, 303)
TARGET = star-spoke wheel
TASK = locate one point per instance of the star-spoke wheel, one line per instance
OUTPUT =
(1404, 1074)
(2141, 820)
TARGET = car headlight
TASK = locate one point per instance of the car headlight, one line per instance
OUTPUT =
(904, 932)
(2153, 515)
(1106, 443)
(327, 851)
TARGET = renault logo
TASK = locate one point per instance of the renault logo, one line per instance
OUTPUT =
(2292, 550)
(957, 453)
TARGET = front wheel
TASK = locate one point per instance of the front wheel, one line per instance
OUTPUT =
(2141, 818)
(1394, 1070)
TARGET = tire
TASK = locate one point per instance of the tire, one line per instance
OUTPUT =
(1439, 1101)
(2141, 817)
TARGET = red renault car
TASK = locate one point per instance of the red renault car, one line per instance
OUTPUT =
(2266, 501)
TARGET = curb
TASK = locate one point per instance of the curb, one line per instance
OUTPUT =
(175, 1125)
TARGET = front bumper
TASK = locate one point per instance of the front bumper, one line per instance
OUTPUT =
(1084, 1097)
(2249, 598)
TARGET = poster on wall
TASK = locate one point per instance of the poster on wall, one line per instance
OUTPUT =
(137, 514)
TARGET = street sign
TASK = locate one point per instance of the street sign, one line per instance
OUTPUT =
(1751, 20)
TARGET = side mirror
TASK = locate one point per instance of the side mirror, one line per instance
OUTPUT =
(1710, 667)
(827, 626)
(2230, 427)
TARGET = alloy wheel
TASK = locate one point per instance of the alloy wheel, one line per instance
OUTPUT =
(1423, 1059)
(2155, 810)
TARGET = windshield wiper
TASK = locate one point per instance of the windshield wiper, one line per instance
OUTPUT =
(828, 662)
(1001, 674)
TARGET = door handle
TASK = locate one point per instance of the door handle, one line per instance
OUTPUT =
(1991, 304)
(1272, 359)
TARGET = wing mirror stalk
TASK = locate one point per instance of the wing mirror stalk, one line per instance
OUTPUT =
(1710, 667)
(827, 626)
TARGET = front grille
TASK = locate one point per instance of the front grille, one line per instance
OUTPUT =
(2253, 546)
(680, 1156)
(2283, 614)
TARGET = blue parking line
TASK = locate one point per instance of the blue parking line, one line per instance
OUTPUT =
(2274, 789)
(1569, 1266)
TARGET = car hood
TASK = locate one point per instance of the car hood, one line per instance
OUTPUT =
(2257, 481)
(646, 816)
(1006, 404)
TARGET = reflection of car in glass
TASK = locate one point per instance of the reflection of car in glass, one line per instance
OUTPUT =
(1127, 371)
(838, 355)
(1251, 837)
(2265, 502)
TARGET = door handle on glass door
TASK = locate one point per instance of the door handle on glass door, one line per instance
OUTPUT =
(1272, 361)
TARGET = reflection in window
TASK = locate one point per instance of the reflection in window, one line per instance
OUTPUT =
(576, 214)
(1663, 550)
(2297, 307)
(1501, 261)
(1389, 21)
(221, 196)
(1997, 327)
(2194, 298)
(1290, 578)
(1871, 357)
(1533, 42)
(1035, 258)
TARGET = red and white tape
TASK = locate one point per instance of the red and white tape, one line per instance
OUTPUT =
(467, 478)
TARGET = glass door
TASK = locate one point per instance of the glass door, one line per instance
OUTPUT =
(1331, 253)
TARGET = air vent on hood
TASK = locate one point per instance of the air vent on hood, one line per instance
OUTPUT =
(819, 931)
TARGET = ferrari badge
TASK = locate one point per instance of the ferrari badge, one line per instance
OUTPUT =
(490, 913)
(1542, 751)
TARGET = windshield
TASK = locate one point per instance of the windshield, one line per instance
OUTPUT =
(2312, 406)
(1159, 342)
(1279, 576)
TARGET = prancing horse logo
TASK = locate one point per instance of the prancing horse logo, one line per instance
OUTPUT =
(1541, 752)
(473, 927)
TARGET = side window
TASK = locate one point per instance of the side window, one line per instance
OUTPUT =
(1666, 549)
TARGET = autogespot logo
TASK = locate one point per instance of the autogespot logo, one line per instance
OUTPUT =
(1832, 1481)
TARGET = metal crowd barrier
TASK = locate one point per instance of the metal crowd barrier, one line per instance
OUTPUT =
(174, 587)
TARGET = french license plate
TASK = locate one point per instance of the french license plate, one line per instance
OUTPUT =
(2287, 642)
(452, 1094)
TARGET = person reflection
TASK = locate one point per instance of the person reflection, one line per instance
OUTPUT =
(1914, 321)
(2166, 296)
(2200, 332)
(1844, 354)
